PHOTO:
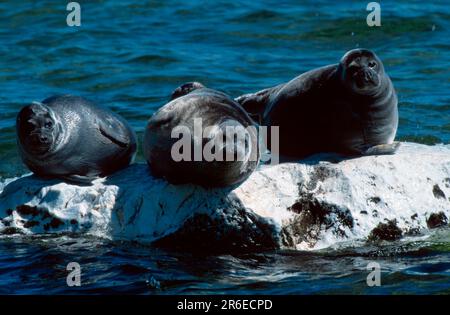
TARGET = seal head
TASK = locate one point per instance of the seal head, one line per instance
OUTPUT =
(361, 71)
(38, 129)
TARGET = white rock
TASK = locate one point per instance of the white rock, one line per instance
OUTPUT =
(306, 205)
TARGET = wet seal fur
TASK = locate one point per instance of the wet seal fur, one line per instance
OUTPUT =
(70, 138)
(215, 109)
(348, 108)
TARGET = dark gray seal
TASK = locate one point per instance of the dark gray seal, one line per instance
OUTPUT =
(193, 103)
(348, 108)
(68, 137)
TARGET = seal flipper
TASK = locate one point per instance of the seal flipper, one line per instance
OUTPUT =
(255, 103)
(110, 129)
(79, 179)
(382, 149)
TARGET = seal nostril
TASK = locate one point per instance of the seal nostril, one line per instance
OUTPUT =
(367, 76)
(43, 138)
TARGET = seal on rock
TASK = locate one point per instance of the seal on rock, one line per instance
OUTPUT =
(348, 108)
(222, 142)
(69, 137)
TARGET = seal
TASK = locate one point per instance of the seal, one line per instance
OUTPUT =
(70, 138)
(219, 144)
(348, 108)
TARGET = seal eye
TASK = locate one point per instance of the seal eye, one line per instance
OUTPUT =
(372, 64)
(48, 125)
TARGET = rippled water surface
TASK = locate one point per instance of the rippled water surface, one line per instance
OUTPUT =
(38, 265)
(129, 55)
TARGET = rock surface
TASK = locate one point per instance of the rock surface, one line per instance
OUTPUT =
(307, 205)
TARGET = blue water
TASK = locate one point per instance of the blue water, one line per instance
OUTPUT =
(129, 55)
